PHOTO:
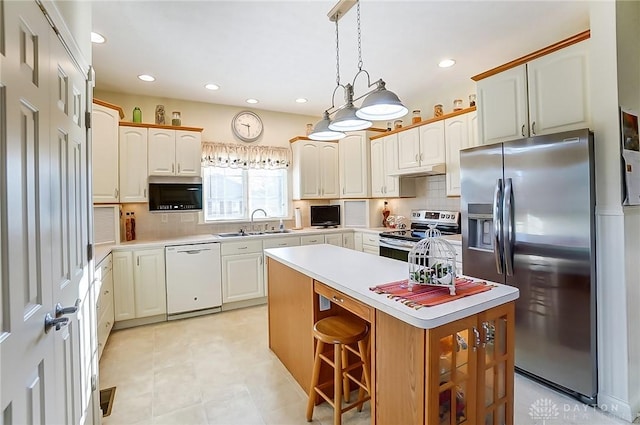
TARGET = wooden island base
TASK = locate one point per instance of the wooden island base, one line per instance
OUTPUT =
(461, 372)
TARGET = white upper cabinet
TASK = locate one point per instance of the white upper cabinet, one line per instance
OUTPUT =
(315, 170)
(420, 148)
(546, 95)
(133, 164)
(384, 163)
(459, 134)
(174, 152)
(104, 136)
(432, 143)
(559, 91)
(409, 149)
(354, 158)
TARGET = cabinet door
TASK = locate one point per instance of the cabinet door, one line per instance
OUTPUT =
(408, 149)
(457, 137)
(496, 364)
(391, 183)
(348, 241)
(162, 152)
(378, 172)
(432, 144)
(311, 240)
(188, 153)
(502, 106)
(354, 165)
(334, 239)
(306, 169)
(242, 277)
(133, 164)
(123, 288)
(472, 125)
(559, 90)
(329, 175)
(149, 282)
(450, 397)
(357, 241)
(104, 147)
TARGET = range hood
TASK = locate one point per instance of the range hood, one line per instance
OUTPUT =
(430, 170)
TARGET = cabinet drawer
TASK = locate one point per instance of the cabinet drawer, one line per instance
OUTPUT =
(242, 247)
(102, 269)
(356, 307)
(311, 240)
(369, 239)
(281, 242)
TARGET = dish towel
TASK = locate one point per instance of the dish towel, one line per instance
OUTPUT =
(428, 296)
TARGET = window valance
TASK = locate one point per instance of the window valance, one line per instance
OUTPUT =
(240, 156)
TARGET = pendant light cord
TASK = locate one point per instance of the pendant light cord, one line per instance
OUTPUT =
(360, 63)
(337, 52)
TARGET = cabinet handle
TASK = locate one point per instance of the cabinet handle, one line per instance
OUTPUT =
(533, 128)
(416, 157)
(421, 156)
(282, 244)
(343, 190)
(172, 168)
(138, 261)
(116, 193)
(243, 247)
(336, 299)
(522, 131)
(145, 192)
(477, 343)
(178, 168)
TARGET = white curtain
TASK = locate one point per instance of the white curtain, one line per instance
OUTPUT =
(234, 155)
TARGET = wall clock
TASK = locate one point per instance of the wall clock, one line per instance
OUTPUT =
(247, 126)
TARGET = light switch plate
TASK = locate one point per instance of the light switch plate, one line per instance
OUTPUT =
(325, 304)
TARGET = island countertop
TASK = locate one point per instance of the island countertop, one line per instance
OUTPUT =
(353, 273)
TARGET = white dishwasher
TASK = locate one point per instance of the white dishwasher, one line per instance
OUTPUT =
(194, 279)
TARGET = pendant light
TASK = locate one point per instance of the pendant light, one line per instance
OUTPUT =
(346, 118)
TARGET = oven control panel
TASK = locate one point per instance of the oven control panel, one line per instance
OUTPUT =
(436, 217)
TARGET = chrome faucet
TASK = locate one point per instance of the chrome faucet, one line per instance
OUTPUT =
(255, 211)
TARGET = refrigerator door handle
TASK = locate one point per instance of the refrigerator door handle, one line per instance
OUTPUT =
(507, 220)
(497, 226)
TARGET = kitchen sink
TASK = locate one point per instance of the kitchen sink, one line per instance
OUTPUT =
(271, 232)
(232, 234)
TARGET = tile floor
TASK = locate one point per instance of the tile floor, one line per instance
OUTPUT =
(218, 369)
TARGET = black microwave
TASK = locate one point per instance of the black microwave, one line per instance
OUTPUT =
(175, 194)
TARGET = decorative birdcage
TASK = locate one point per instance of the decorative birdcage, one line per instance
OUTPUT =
(432, 261)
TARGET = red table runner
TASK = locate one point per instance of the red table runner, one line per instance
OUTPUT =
(428, 296)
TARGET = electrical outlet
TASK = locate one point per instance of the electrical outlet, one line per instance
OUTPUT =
(164, 218)
(325, 304)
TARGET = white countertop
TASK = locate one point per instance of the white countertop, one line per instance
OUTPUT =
(353, 273)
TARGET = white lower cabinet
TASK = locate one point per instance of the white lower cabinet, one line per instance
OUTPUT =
(104, 302)
(357, 241)
(333, 239)
(139, 284)
(371, 243)
(242, 271)
(348, 240)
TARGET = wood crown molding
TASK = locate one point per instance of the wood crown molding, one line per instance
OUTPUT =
(424, 122)
(166, 127)
(109, 105)
(585, 35)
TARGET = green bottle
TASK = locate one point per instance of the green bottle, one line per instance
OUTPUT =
(137, 114)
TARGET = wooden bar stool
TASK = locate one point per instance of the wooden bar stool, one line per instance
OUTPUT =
(340, 331)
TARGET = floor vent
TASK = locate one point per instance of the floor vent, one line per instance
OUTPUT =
(106, 400)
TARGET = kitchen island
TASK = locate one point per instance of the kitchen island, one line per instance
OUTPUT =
(447, 364)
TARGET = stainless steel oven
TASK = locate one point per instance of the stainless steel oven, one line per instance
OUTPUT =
(397, 243)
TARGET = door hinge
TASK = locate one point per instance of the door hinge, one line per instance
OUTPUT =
(94, 382)
(87, 119)
(89, 252)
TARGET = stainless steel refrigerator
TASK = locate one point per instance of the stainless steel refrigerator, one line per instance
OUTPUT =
(528, 221)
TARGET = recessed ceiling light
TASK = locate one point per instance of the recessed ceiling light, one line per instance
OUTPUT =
(146, 77)
(97, 38)
(446, 63)
(301, 100)
(252, 100)
(211, 86)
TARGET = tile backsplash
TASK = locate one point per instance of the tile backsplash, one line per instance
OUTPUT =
(430, 194)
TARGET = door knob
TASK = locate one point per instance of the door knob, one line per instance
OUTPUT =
(61, 311)
(50, 322)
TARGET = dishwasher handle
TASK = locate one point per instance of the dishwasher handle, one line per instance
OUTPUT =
(193, 251)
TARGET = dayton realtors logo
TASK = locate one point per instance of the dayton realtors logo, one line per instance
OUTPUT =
(544, 409)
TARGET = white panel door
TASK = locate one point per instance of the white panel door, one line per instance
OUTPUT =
(162, 152)
(378, 171)
(188, 153)
(432, 144)
(329, 171)
(333, 239)
(44, 201)
(457, 137)
(409, 148)
(133, 164)
(149, 282)
(242, 277)
(354, 166)
(502, 106)
(104, 153)
(559, 90)
(124, 296)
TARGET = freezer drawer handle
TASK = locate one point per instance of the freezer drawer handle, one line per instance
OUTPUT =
(497, 226)
(507, 220)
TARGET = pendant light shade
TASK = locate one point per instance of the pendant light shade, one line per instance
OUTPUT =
(381, 105)
(322, 132)
(347, 120)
